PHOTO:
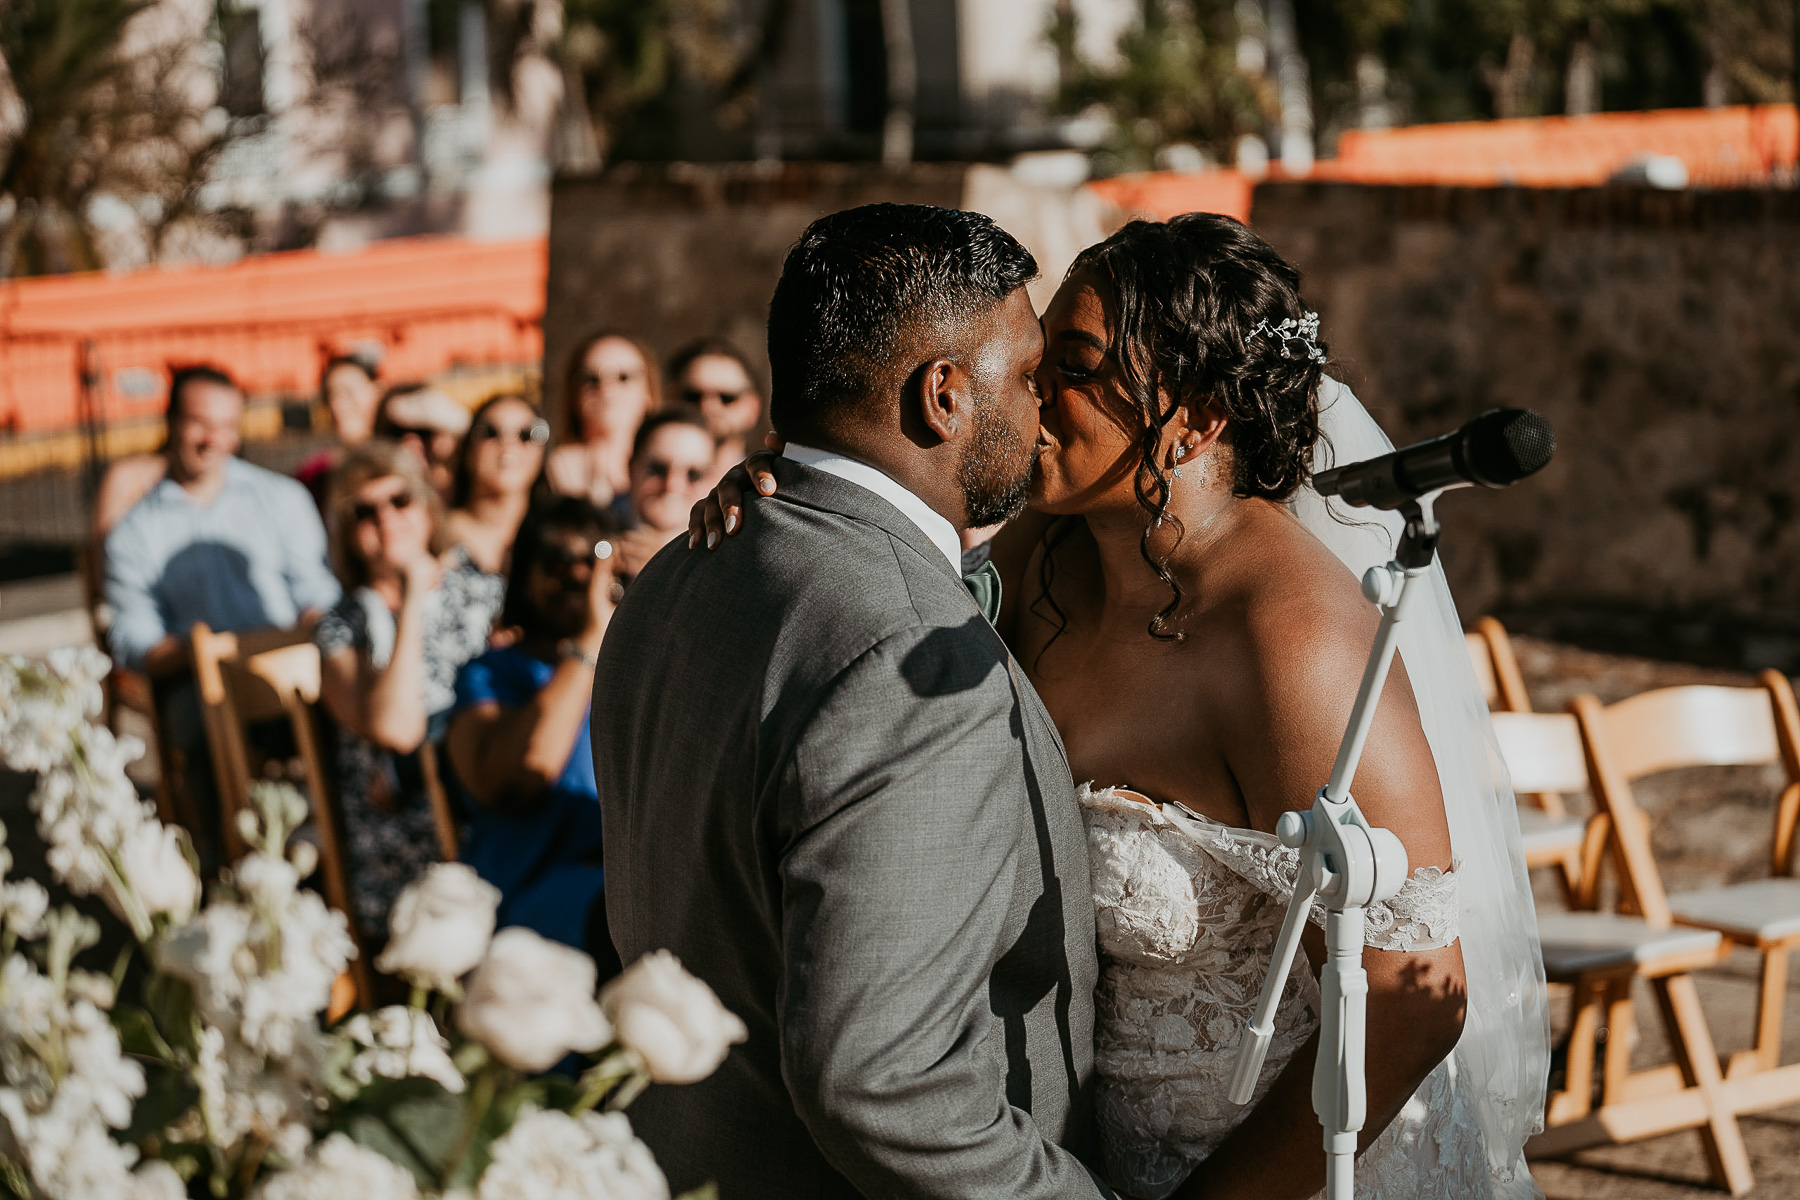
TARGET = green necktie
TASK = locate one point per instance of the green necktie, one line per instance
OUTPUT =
(984, 586)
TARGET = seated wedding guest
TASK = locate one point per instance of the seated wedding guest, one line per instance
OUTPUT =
(409, 619)
(518, 738)
(611, 386)
(219, 541)
(714, 376)
(498, 467)
(671, 468)
(347, 389)
(127, 480)
(427, 422)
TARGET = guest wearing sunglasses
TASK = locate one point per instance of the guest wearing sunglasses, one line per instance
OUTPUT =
(498, 468)
(428, 423)
(518, 740)
(714, 376)
(672, 464)
(611, 386)
(390, 649)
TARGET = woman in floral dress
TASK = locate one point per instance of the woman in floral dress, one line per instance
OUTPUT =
(410, 617)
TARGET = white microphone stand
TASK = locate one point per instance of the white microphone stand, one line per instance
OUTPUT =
(1349, 865)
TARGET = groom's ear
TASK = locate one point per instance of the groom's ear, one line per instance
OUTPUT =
(941, 396)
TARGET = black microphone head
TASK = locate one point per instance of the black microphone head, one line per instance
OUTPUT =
(1505, 445)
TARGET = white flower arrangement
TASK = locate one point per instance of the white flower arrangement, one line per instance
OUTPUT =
(215, 1065)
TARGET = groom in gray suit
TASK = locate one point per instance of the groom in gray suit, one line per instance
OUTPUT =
(825, 784)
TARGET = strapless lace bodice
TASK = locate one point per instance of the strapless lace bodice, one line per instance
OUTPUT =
(1187, 916)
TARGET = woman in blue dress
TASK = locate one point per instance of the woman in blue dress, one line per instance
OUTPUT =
(518, 739)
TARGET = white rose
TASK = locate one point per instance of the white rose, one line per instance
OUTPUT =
(336, 1169)
(157, 1180)
(440, 926)
(158, 871)
(531, 1001)
(397, 1042)
(670, 1019)
(266, 881)
(594, 1156)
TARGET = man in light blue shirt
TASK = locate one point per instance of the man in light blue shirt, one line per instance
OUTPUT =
(218, 540)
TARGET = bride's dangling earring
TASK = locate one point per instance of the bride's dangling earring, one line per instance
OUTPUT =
(1180, 453)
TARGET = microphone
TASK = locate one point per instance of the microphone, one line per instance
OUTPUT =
(1495, 450)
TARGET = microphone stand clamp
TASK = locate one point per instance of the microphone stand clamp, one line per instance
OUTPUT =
(1348, 864)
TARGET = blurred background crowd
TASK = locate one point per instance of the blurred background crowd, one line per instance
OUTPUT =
(355, 354)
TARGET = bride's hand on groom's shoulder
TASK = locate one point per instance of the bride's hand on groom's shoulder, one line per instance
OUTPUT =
(720, 513)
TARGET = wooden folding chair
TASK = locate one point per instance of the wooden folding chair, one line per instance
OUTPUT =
(1603, 953)
(1543, 755)
(1496, 668)
(1551, 837)
(449, 830)
(292, 673)
(1713, 726)
(238, 688)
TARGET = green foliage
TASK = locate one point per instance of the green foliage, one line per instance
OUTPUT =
(1176, 80)
(634, 62)
(98, 112)
(62, 56)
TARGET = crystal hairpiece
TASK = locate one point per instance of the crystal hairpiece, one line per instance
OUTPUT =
(1298, 336)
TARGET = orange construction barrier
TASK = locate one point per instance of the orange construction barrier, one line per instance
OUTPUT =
(1159, 195)
(96, 349)
(1721, 147)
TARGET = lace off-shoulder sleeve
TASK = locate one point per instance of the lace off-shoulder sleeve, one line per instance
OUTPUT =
(1146, 910)
(1421, 916)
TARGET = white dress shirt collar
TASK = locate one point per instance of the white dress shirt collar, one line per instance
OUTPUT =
(931, 523)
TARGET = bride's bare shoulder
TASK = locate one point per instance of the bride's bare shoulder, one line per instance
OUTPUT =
(1296, 614)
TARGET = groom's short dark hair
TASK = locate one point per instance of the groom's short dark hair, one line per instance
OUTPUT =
(859, 286)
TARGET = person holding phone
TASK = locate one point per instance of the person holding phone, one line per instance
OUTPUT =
(518, 737)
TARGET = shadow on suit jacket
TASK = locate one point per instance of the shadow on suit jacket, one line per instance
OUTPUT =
(828, 790)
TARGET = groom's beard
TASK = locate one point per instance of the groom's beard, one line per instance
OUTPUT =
(995, 472)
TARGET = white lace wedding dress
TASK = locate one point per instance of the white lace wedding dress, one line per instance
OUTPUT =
(1187, 916)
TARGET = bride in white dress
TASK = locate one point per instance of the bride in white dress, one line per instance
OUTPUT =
(1193, 629)
(1188, 608)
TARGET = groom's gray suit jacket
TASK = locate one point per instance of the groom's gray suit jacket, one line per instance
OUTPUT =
(828, 789)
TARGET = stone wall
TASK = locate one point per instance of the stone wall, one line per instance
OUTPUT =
(1656, 330)
(1660, 334)
(673, 253)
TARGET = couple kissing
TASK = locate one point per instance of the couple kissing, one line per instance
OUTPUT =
(916, 829)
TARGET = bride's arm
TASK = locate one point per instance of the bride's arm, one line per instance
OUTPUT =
(1281, 716)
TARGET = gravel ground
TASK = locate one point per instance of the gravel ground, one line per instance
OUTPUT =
(1708, 826)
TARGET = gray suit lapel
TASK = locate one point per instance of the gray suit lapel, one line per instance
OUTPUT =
(809, 487)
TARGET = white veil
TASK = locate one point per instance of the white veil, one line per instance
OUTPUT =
(1503, 1058)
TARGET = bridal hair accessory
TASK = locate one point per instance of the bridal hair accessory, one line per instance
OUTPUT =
(1298, 336)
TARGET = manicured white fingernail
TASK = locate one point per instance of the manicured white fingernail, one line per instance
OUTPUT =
(766, 486)
(731, 522)
(693, 540)
(712, 538)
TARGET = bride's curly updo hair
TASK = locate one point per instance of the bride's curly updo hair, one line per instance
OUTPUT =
(1197, 304)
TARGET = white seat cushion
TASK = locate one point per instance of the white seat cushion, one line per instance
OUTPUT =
(1574, 942)
(1541, 833)
(1764, 909)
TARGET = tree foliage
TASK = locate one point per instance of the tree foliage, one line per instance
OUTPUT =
(1175, 76)
(99, 103)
